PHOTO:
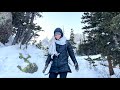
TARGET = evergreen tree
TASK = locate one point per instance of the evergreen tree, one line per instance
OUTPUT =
(100, 31)
(24, 26)
(115, 28)
(72, 38)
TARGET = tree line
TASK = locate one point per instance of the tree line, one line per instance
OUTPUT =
(22, 27)
(102, 30)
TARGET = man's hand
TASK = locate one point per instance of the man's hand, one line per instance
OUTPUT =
(76, 67)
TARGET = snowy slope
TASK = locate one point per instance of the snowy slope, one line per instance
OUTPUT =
(9, 59)
(84, 71)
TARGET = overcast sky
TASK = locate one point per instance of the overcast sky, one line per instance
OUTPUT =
(66, 20)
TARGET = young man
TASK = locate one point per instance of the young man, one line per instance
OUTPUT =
(59, 51)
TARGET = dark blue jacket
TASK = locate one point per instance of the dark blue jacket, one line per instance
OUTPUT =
(60, 63)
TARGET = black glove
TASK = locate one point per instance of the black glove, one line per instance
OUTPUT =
(76, 67)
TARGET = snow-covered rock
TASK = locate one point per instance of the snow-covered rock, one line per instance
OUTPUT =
(1, 45)
(4, 16)
(5, 26)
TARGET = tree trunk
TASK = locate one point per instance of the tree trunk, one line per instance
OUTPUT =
(111, 71)
(16, 37)
(28, 33)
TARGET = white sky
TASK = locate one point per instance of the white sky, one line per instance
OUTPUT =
(52, 20)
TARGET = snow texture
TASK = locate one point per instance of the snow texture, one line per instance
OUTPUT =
(9, 60)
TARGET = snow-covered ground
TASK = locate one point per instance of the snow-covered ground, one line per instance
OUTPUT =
(9, 60)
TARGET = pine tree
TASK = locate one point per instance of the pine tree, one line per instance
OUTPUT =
(100, 32)
(24, 27)
(72, 38)
(115, 28)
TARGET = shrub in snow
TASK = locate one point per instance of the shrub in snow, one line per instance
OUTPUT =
(39, 45)
(91, 62)
(30, 68)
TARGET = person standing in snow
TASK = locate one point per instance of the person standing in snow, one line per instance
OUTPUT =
(59, 51)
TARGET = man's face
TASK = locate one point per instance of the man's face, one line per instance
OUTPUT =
(57, 36)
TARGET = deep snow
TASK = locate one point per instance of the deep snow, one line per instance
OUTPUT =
(9, 59)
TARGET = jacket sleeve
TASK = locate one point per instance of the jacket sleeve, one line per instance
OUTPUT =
(71, 52)
(48, 60)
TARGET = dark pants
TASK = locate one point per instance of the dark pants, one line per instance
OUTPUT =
(54, 75)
